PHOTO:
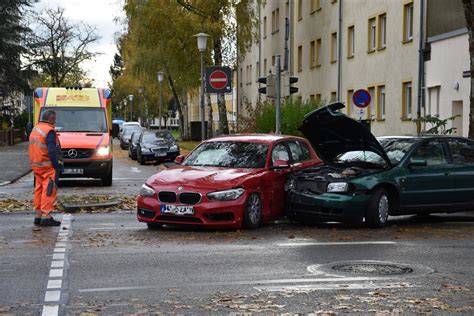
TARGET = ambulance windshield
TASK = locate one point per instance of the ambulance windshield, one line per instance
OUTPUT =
(76, 119)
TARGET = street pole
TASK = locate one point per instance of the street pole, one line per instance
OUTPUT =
(203, 129)
(278, 94)
(130, 97)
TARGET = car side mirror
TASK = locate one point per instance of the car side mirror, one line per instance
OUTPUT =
(179, 159)
(417, 163)
(280, 164)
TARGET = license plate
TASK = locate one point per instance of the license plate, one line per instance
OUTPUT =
(160, 154)
(177, 209)
(73, 171)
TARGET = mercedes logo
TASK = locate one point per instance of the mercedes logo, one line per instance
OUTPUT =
(180, 188)
(72, 153)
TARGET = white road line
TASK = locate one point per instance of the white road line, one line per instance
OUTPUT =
(50, 310)
(59, 250)
(331, 287)
(52, 296)
(57, 264)
(56, 273)
(54, 284)
(60, 245)
(58, 256)
(135, 169)
(336, 243)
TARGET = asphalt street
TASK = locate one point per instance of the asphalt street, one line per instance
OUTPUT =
(108, 263)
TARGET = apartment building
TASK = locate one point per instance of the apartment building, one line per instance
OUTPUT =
(340, 46)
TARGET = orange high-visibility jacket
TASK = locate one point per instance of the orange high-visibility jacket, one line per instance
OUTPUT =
(38, 149)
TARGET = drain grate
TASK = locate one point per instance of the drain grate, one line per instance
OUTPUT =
(372, 269)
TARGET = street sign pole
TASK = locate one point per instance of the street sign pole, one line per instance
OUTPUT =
(278, 94)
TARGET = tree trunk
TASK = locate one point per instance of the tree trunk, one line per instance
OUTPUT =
(209, 116)
(178, 107)
(223, 125)
(468, 6)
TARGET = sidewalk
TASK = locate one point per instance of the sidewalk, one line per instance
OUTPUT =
(14, 162)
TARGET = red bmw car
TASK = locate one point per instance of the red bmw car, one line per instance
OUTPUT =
(230, 181)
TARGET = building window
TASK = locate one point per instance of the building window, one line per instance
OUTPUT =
(277, 20)
(382, 31)
(300, 58)
(264, 27)
(350, 41)
(433, 101)
(333, 96)
(408, 22)
(273, 60)
(300, 9)
(318, 52)
(334, 47)
(287, 9)
(350, 93)
(311, 97)
(381, 102)
(372, 44)
(407, 100)
(265, 67)
(373, 100)
(312, 54)
(241, 76)
(273, 22)
(318, 98)
(315, 5)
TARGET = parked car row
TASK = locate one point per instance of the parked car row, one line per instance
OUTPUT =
(149, 145)
(340, 172)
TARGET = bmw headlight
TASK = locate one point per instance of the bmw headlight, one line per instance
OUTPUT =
(146, 191)
(338, 187)
(103, 151)
(174, 148)
(226, 195)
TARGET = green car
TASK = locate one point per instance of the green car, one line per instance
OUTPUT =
(366, 178)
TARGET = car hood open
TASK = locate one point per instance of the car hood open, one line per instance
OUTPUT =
(332, 133)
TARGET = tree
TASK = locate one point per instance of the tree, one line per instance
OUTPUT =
(57, 47)
(469, 15)
(12, 32)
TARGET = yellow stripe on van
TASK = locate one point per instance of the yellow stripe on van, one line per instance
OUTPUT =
(87, 97)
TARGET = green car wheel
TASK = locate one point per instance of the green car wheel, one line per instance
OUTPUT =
(379, 208)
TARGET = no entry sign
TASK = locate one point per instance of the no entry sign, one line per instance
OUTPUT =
(361, 98)
(218, 80)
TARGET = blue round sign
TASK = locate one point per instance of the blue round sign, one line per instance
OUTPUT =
(361, 98)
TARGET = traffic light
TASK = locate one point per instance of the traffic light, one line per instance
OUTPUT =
(293, 80)
(269, 90)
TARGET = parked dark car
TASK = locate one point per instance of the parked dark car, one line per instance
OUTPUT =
(126, 134)
(366, 178)
(157, 146)
(132, 148)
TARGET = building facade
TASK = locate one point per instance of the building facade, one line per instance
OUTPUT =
(339, 46)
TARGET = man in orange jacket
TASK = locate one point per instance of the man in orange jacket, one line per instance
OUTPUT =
(43, 150)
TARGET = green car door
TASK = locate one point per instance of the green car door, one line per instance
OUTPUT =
(428, 179)
(462, 155)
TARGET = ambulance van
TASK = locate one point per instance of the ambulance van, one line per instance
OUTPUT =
(83, 124)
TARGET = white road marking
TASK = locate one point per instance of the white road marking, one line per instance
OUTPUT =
(115, 228)
(50, 310)
(60, 245)
(52, 296)
(336, 243)
(58, 256)
(331, 287)
(56, 273)
(135, 169)
(57, 264)
(59, 250)
(54, 284)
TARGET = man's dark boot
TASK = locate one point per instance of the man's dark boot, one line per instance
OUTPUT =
(49, 221)
(37, 221)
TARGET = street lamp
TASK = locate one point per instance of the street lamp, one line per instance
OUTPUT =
(202, 42)
(130, 97)
(160, 79)
(140, 91)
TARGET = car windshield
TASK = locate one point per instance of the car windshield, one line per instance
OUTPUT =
(153, 137)
(395, 148)
(229, 154)
(77, 119)
(129, 131)
(135, 136)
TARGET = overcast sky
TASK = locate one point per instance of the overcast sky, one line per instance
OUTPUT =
(98, 13)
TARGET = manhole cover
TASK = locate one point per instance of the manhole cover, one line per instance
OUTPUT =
(372, 269)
